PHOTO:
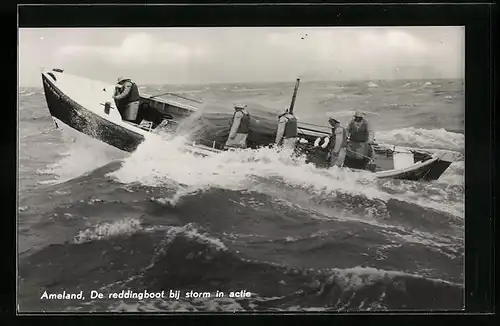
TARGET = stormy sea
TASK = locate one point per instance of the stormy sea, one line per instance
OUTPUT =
(243, 231)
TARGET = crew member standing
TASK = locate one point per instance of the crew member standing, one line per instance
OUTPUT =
(240, 127)
(361, 138)
(287, 133)
(337, 144)
(127, 98)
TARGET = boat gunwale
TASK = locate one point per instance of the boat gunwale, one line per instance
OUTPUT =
(136, 129)
(130, 126)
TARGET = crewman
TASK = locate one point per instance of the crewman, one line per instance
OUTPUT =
(240, 127)
(361, 138)
(127, 98)
(337, 144)
(286, 134)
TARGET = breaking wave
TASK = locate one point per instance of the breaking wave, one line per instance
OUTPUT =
(106, 230)
(261, 222)
(423, 138)
(167, 163)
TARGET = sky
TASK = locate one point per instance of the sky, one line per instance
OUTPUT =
(243, 54)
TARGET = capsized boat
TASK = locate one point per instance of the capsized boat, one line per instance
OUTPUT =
(86, 105)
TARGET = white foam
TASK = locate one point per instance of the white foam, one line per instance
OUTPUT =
(439, 203)
(182, 305)
(107, 230)
(83, 154)
(431, 241)
(424, 138)
(454, 175)
(166, 163)
(27, 94)
(358, 277)
(191, 232)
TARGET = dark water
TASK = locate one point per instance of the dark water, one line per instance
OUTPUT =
(294, 237)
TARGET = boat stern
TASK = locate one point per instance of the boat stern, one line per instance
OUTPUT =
(445, 156)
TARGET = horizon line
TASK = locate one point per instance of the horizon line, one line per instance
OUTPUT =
(283, 81)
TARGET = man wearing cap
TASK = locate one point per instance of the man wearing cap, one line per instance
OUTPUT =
(240, 127)
(127, 98)
(360, 138)
(337, 145)
(286, 134)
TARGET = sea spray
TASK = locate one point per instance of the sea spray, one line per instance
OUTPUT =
(100, 231)
(84, 154)
(423, 138)
(163, 163)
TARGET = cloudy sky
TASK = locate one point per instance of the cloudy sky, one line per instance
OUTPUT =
(234, 54)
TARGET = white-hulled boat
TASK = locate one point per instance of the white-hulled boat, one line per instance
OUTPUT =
(85, 105)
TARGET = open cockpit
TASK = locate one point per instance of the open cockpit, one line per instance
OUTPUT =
(155, 112)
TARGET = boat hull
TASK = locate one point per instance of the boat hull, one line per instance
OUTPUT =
(92, 118)
(425, 166)
(429, 172)
(87, 121)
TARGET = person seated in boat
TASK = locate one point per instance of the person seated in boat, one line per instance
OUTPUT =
(127, 98)
(337, 146)
(287, 132)
(240, 127)
(361, 138)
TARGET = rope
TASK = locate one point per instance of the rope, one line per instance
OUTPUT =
(173, 94)
(370, 158)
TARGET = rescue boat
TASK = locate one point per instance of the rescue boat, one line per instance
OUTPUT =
(87, 106)
(386, 161)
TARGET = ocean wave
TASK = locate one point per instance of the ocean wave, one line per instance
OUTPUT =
(188, 259)
(295, 237)
(166, 163)
(423, 138)
(455, 175)
(27, 94)
(193, 232)
(287, 288)
(83, 155)
(105, 230)
(262, 250)
(229, 170)
(38, 133)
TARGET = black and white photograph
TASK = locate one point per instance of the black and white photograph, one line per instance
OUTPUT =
(241, 169)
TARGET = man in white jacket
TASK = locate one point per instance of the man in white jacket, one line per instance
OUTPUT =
(287, 132)
(337, 144)
(240, 127)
